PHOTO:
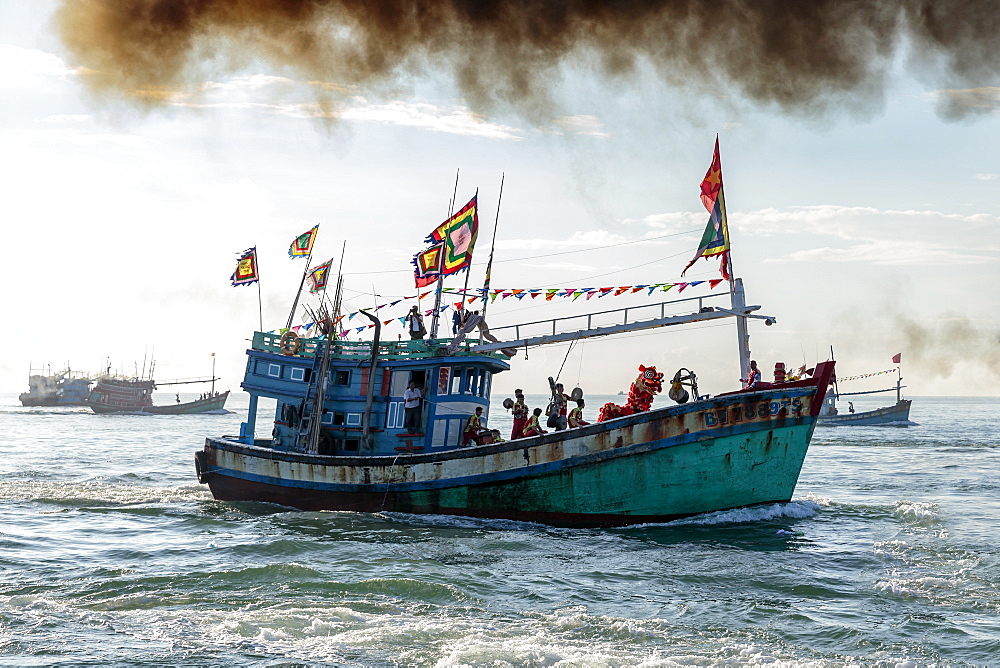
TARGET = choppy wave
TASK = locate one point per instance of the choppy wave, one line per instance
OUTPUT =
(83, 494)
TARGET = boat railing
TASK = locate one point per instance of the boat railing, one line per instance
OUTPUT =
(589, 321)
(362, 350)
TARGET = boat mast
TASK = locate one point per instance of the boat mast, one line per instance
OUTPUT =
(440, 281)
(367, 418)
(213, 374)
(493, 243)
(737, 294)
(836, 390)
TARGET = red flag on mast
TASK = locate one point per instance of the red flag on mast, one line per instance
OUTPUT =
(715, 240)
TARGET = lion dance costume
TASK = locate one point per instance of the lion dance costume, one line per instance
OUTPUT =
(640, 395)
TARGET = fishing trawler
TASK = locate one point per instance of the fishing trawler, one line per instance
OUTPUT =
(338, 439)
(66, 388)
(121, 394)
(897, 415)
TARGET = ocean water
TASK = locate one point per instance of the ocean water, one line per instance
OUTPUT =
(111, 553)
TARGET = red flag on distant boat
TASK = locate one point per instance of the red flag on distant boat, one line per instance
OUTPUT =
(896, 358)
(246, 268)
(715, 240)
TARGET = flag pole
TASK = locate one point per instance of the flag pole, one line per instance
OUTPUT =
(493, 244)
(340, 282)
(737, 296)
(440, 281)
(468, 269)
(260, 308)
(295, 302)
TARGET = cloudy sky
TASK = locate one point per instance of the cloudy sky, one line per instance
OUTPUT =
(864, 204)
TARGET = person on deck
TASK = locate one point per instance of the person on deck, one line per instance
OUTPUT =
(520, 413)
(753, 377)
(534, 428)
(412, 396)
(576, 415)
(559, 407)
(415, 324)
(456, 321)
(472, 427)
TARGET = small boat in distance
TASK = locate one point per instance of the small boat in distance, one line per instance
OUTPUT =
(66, 388)
(897, 415)
(118, 394)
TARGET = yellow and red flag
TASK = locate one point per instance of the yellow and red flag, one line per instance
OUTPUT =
(246, 268)
(457, 235)
(427, 265)
(715, 240)
(320, 276)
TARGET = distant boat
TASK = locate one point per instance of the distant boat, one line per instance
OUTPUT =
(66, 388)
(832, 413)
(115, 394)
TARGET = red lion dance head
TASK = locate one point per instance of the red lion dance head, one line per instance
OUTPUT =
(640, 395)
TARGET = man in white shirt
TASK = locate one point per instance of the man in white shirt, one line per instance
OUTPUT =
(412, 397)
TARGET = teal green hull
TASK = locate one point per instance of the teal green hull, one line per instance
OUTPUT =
(687, 479)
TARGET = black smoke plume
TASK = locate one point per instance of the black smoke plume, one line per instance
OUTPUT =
(805, 57)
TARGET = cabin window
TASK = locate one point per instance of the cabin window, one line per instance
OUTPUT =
(484, 385)
(327, 418)
(353, 419)
(456, 380)
(297, 373)
(338, 418)
(274, 370)
(351, 444)
(455, 429)
(341, 377)
(400, 379)
(473, 387)
(395, 415)
(444, 375)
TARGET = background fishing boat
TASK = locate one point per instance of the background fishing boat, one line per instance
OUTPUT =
(120, 394)
(65, 388)
(838, 411)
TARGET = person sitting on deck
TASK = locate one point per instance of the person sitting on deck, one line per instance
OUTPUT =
(576, 415)
(472, 427)
(534, 428)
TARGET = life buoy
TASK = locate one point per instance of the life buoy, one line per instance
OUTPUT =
(289, 343)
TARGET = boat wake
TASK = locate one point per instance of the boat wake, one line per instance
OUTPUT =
(792, 509)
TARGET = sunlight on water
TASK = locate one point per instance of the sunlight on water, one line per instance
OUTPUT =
(113, 554)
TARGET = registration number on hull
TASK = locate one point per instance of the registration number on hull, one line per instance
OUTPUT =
(757, 411)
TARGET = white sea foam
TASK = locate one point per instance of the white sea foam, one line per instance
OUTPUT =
(793, 509)
(99, 493)
(916, 511)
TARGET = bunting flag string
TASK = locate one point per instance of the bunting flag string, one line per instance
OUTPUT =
(472, 295)
(865, 375)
